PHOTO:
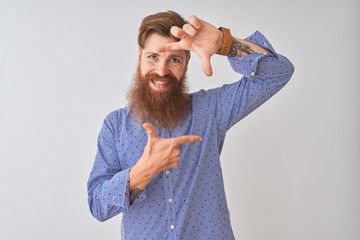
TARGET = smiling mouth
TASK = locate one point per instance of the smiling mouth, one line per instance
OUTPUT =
(160, 85)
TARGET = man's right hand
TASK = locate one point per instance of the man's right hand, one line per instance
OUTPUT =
(159, 154)
(163, 153)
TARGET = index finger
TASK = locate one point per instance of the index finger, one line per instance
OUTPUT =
(187, 139)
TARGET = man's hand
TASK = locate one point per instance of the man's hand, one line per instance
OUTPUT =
(198, 36)
(159, 154)
(163, 153)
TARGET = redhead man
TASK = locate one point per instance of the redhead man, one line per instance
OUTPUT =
(158, 159)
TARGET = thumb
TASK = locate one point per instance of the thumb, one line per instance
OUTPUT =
(206, 65)
(150, 130)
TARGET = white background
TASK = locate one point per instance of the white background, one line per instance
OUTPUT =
(291, 168)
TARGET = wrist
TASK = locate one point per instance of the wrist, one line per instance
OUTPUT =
(226, 41)
(140, 175)
(221, 40)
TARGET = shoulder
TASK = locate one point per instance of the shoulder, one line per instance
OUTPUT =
(117, 116)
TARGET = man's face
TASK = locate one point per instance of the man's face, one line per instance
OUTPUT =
(161, 64)
(159, 91)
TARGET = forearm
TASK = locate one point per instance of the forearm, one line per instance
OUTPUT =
(236, 47)
(253, 56)
(240, 47)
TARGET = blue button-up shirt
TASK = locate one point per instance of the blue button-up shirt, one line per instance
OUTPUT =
(186, 202)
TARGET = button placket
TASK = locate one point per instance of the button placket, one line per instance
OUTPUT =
(170, 201)
(168, 190)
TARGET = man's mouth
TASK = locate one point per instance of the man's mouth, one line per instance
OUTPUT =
(160, 85)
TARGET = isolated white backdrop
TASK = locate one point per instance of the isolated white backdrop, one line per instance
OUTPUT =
(291, 168)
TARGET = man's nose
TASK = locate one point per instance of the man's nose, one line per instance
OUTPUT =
(162, 69)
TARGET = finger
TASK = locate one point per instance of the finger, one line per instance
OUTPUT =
(150, 130)
(189, 29)
(187, 139)
(178, 32)
(206, 65)
(195, 21)
(171, 47)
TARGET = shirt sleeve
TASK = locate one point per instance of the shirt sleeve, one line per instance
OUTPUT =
(108, 184)
(263, 76)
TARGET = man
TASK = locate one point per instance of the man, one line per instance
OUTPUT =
(158, 159)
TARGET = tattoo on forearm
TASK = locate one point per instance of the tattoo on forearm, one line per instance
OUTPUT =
(239, 49)
(134, 193)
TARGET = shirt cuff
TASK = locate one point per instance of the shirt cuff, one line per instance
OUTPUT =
(123, 200)
(260, 40)
(247, 65)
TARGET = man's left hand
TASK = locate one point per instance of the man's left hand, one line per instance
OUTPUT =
(198, 36)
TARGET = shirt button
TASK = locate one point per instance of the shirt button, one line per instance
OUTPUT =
(252, 73)
(170, 199)
(167, 172)
(172, 227)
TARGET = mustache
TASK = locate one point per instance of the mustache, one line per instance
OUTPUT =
(154, 76)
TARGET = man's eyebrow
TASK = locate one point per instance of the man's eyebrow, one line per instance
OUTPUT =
(151, 53)
(175, 55)
(170, 56)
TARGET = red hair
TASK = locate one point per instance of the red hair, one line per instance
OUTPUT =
(159, 23)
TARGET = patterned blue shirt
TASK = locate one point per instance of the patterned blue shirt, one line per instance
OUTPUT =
(186, 202)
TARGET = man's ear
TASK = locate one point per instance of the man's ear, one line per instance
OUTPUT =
(187, 59)
(139, 53)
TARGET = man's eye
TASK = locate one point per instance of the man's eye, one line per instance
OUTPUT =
(175, 60)
(152, 57)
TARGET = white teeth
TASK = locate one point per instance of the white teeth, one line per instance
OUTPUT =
(160, 83)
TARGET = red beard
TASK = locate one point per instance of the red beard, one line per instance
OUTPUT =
(162, 109)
